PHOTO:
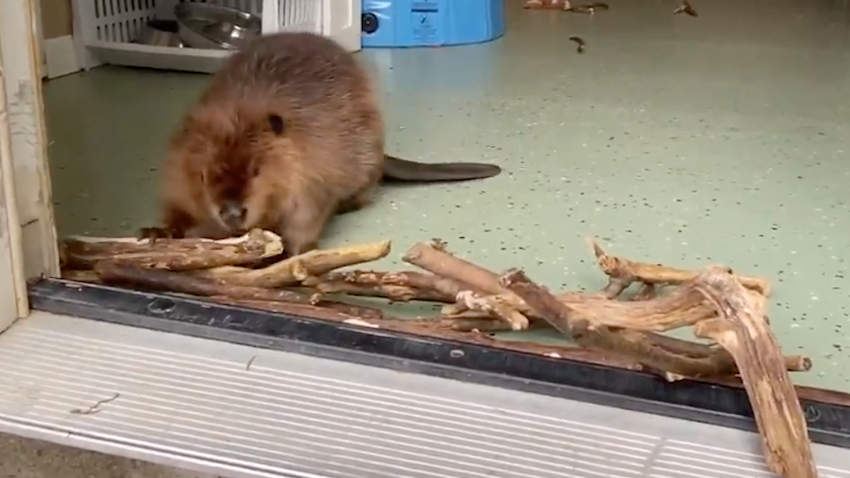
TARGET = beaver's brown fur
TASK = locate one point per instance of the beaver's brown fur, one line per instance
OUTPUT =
(287, 134)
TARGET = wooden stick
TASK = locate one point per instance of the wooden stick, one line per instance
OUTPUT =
(546, 4)
(437, 261)
(623, 272)
(118, 273)
(743, 331)
(677, 309)
(493, 304)
(397, 286)
(171, 254)
(637, 346)
(681, 307)
(298, 268)
(725, 363)
(686, 7)
(476, 282)
(334, 312)
(87, 275)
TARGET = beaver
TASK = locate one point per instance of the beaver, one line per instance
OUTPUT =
(287, 134)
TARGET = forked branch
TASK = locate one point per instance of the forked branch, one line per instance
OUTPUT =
(742, 330)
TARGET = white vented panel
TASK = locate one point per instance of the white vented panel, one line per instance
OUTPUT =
(104, 30)
(120, 20)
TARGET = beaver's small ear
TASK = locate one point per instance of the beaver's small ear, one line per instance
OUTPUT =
(276, 123)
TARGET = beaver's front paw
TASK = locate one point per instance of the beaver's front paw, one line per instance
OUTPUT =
(155, 233)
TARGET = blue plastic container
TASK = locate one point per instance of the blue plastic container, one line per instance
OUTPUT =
(412, 23)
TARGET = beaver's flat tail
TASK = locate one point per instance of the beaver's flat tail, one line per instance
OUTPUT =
(396, 169)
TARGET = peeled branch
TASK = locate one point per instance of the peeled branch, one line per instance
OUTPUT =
(624, 272)
(742, 330)
(81, 253)
(293, 270)
(397, 286)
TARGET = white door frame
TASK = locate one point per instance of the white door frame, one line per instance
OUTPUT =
(13, 286)
(24, 167)
(39, 35)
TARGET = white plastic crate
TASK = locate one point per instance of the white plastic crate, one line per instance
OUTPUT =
(104, 29)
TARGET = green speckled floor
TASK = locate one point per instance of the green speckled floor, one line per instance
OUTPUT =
(722, 138)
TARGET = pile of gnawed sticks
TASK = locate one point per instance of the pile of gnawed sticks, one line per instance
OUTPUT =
(727, 308)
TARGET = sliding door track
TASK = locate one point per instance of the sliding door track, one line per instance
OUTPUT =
(235, 411)
(828, 413)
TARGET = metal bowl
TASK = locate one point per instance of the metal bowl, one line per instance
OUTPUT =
(203, 25)
(159, 33)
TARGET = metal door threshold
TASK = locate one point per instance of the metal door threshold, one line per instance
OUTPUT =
(241, 411)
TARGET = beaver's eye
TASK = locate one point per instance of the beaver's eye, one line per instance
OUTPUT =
(276, 124)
